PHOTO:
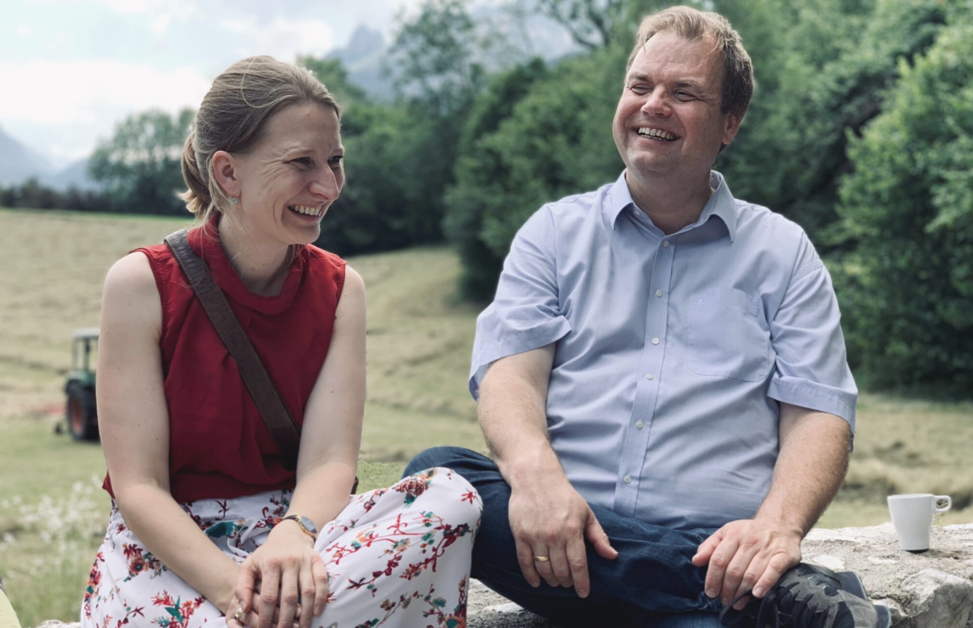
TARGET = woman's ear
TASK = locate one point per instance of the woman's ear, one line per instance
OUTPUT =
(225, 172)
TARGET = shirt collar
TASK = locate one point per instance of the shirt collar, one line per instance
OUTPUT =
(721, 203)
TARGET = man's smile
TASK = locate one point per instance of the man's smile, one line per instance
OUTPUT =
(656, 134)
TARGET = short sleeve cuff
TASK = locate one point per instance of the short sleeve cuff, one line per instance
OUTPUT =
(512, 343)
(815, 396)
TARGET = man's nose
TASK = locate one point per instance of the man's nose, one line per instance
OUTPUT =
(656, 102)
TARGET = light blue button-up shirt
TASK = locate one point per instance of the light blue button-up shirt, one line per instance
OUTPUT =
(672, 351)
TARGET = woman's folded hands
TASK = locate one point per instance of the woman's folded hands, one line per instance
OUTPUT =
(284, 583)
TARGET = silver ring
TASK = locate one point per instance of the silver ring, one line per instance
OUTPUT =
(238, 616)
(541, 559)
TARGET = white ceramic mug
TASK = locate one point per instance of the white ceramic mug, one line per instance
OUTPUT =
(912, 518)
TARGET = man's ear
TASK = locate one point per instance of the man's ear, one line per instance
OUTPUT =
(730, 128)
(225, 172)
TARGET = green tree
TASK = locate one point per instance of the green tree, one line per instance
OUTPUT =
(907, 289)
(436, 55)
(535, 136)
(399, 156)
(334, 75)
(140, 166)
(822, 69)
(394, 180)
(592, 24)
(478, 171)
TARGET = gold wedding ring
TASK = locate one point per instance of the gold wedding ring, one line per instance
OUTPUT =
(542, 559)
(238, 616)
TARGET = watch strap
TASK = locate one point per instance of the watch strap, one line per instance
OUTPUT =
(304, 528)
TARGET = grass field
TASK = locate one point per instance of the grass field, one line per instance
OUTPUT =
(52, 511)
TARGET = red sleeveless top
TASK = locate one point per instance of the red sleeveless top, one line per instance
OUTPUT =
(219, 445)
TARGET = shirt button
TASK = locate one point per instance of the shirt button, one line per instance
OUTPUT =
(655, 341)
(658, 293)
(665, 244)
(639, 425)
(649, 376)
(627, 479)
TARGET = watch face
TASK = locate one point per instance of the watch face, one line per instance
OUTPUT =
(309, 525)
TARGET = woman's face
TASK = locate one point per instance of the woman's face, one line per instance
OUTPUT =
(288, 180)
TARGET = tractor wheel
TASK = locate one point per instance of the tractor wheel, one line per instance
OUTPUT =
(82, 417)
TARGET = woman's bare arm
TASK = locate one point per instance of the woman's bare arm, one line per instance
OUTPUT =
(134, 424)
(287, 565)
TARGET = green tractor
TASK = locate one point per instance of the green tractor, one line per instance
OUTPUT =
(82, 413)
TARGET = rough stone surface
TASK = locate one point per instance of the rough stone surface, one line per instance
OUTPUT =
(933, 589)
(942, 598)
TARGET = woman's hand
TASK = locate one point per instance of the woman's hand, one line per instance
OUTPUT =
(236, 618)
(286, 574)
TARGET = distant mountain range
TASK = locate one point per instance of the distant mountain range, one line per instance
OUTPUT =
(365, 55)
(19, 163)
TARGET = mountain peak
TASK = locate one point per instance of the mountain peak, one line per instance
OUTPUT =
(364, 43)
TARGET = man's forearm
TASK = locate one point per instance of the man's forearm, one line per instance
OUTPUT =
(512, 414)
(812, 464)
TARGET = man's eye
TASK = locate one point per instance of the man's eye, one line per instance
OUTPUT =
(681, 95)
(640, 89)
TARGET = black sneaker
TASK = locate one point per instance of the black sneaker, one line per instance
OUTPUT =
(809, 596)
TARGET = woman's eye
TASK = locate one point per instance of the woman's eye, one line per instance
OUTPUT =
(336, 160)
(304, 161)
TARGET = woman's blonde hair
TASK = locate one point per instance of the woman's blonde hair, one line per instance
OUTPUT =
(232, 118)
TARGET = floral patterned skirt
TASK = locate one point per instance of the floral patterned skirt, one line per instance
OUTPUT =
(395, 557)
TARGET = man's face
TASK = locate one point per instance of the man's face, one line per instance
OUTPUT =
(668, 122)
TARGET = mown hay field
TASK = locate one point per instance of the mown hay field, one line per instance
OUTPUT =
(420, 336)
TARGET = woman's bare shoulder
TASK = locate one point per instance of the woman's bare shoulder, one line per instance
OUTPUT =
(131, 292)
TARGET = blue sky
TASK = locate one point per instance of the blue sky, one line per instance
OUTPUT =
(72, 69)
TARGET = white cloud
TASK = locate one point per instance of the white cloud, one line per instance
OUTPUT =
(282, 38)
(131, 6)
(160, 23)
(58, 93)
(24, 31)
(160, 12)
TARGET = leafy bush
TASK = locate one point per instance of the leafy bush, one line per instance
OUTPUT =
(907, 289)
(823, 69)
(536, 136)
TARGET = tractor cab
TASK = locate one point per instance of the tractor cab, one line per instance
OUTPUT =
(82, 415)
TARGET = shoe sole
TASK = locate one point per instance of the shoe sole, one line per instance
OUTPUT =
(851, 583)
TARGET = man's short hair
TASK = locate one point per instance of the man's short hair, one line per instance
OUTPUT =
(693, 24)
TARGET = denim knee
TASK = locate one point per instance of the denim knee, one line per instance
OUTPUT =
(436, 457)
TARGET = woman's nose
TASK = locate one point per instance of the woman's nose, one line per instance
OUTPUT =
(326, 185)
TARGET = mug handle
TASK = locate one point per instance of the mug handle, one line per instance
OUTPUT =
(937, 499)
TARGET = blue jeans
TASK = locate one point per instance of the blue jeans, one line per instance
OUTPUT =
(652, 582)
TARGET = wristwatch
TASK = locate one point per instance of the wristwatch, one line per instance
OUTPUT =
(307, 526)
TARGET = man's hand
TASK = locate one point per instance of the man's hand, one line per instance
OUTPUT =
(554, 522)
(747, 554)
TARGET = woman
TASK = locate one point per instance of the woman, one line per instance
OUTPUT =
(208, 523)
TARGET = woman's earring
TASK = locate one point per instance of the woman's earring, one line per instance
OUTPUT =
(234, 200)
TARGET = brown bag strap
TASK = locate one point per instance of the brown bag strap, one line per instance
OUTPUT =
(275, 414)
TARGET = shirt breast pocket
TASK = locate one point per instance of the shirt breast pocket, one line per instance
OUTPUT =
(728, 336)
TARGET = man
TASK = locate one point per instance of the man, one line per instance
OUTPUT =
(662, 375)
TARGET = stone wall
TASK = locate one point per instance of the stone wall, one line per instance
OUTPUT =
(933, 589)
